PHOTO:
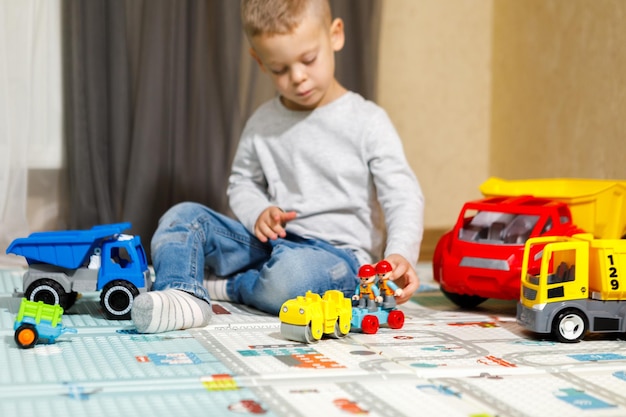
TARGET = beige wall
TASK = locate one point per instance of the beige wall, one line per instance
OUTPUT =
(434, 78)
(517, 89)
(559, 89)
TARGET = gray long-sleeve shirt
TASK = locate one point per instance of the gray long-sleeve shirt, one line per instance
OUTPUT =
(340, 167)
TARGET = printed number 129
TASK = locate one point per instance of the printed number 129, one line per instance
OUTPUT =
(613, 274)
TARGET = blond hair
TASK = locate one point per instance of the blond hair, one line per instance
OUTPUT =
(279, 17)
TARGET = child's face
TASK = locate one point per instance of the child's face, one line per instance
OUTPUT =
(302, 64)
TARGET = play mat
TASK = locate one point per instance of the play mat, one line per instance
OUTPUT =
(443, 362)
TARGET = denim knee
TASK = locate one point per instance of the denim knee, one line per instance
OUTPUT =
(177, 222)
(183, 213)
(294, 271)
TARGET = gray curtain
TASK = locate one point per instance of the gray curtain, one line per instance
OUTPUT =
(357, 63)
(156, 95)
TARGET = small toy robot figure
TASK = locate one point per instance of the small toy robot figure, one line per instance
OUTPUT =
(367, 293)
(388, 289)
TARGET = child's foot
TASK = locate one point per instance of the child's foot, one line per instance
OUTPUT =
(161, 311)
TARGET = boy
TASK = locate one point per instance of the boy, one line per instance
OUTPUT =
(318, 174)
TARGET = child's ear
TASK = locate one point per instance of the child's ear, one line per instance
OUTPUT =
(256, 58)
(337, 36)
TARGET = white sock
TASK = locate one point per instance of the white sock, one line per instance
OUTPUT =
(162, 311)
(216, 288)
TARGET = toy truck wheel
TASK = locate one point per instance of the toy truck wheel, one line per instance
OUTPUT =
(117, 299)
(337, 334)
(395, 319)
(463, 300)
(370, 324)
(302, 334)
(50, 292)
(569, 326)
(26, 336)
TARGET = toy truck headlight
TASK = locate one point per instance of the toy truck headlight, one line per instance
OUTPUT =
(301, 311)
(285, 309)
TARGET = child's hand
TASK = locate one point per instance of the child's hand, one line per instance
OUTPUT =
(404, 276)
(271, 223)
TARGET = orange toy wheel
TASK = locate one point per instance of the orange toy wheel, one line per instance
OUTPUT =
(26, 336)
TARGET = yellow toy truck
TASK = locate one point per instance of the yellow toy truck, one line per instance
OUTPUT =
(597, 206)
(580, 286)
(307, 318)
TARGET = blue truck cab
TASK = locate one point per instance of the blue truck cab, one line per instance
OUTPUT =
(63, 263)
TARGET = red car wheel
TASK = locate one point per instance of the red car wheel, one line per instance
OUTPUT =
(370, 324)
(395, 319)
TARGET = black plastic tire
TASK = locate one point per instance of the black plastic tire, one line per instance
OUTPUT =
(117, 299)
(50, 292)
(464, 300)
(569, 326)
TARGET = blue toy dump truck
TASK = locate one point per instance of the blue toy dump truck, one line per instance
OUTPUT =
(63, 263)
(37, 321)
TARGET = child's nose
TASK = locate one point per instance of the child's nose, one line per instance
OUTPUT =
(298, 74)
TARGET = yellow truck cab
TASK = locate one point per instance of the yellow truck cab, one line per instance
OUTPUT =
(580, 286)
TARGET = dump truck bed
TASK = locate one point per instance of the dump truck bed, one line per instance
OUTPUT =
(597, 206)
(67, 249)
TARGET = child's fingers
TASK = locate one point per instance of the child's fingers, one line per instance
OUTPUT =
(288, 216)
(411, 284)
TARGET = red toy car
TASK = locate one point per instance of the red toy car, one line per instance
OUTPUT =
(481, 257)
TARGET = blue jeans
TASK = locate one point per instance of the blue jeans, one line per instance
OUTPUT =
(192, 238)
